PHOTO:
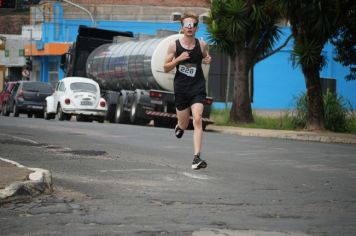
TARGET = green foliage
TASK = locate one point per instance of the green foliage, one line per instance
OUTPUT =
(243, 24)
(313, 24)
(285, 122)
(300, 117)
(345, 39)
(308, 54)
(338, 114)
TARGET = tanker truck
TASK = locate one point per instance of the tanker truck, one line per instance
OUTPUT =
(129, 71)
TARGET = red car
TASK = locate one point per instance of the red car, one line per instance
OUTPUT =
(9, 86)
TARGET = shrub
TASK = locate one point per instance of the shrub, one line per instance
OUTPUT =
(338, 114)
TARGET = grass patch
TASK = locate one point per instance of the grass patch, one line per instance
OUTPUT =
(283, 122)
(352, 124)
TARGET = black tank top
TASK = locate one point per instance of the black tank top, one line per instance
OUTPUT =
(189, 78)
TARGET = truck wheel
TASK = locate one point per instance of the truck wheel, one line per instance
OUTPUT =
(110, 115)
(134, 119)
(121, 116)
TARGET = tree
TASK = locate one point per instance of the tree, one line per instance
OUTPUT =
(345, 38)
(246, 30)
(313, 23)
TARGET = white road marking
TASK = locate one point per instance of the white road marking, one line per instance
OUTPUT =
(19, 138)
(197, 176)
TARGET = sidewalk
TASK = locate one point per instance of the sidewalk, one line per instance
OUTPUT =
(17, 181)
(321, 136)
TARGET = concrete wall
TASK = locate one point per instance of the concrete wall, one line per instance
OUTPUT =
(133, 10)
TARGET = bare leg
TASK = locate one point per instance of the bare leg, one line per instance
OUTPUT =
(197, 112)
(183, 118)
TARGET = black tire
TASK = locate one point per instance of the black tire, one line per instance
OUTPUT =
(110, 115)
(60, 113)
(15, 110)
(121, 116)
(46, 115)
(4, 111)
(29, 115)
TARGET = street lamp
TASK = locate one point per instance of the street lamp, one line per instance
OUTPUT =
(81, 8)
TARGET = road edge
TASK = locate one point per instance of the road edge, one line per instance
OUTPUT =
(40, 181)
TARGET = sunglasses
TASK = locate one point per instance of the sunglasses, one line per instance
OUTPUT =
(189, 24)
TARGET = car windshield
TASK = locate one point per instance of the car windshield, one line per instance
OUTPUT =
(37, 86)
(80, 86)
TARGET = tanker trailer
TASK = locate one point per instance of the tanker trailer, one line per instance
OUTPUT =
(132, 73)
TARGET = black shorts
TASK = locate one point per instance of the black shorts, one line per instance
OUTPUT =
(183, 100)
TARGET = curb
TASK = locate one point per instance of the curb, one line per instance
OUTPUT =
(40, 181)
(323, 137)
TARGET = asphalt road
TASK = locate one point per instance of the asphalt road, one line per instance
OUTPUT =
(112, 179)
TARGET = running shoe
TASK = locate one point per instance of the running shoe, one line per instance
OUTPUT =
(198, 163)
(178, 132)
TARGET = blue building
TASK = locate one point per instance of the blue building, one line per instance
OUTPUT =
(276, 81)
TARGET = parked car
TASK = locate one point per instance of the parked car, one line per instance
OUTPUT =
(28, 97)
(76, 96)
(9, 86)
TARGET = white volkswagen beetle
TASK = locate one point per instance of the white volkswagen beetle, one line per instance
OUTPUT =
(76, 96)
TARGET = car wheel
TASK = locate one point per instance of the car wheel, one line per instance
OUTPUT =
(15, 111)
(4, 111)
(29, 115)
(61, 114)
(46, 115)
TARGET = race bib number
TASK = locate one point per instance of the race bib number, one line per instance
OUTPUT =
(188, 69)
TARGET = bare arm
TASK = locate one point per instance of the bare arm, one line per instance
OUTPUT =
(205, 51)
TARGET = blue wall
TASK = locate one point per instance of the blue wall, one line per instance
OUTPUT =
(277, 82)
